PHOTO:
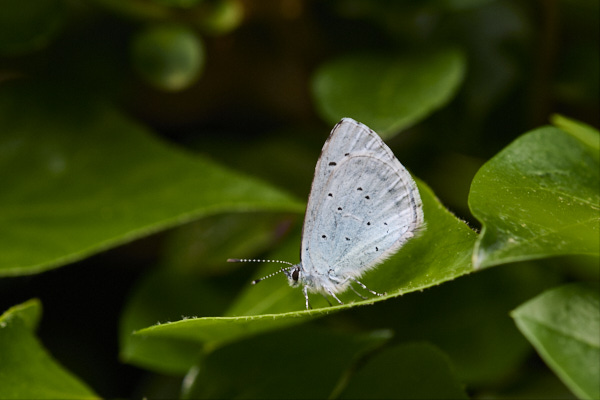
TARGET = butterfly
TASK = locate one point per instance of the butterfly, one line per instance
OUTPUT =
(363, 206)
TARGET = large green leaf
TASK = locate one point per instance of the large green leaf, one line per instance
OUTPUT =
(298, 363)
(409, 371)
(563, 324)
(386, 92)
(441, 253)
(27, 371)
(79, 177)
(538, 197)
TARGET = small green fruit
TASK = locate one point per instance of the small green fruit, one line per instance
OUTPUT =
(169, 57)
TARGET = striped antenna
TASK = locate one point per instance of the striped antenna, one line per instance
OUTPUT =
(254, 282)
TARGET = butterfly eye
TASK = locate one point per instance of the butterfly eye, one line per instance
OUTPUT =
(295, 274)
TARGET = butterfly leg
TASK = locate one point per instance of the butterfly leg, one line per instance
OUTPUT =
(334, 279)
(326, 299)
(305, 291)
(334, 296)
(366, 288)
(358, 294)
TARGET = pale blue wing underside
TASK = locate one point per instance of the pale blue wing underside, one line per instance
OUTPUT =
(363, 205)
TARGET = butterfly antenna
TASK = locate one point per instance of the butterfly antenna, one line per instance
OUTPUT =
(254, 282)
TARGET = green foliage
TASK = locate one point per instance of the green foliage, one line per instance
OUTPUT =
(409, 371)
(539, 197)
(144, 143)
(273, 304)
(65, 187)
(169, 57)
(563, 325)
(385, 92)
(278, 361)
(27, 371)
(482, 349)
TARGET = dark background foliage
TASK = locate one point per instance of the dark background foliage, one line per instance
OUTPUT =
(234, 81)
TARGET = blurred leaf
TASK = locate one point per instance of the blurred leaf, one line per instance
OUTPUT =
(387, 93)
(168, 57)
(539, 197)
(29, 312)
(480, 338)
(535, 383)
(295, 363)
(183, 286)
(409, 371)
(28, 26)
(223, 16)
(287, 156)
(267, 306)
(585, 133)
(83, 178)
(166, 295)
(204, 246)
(563, 325)
(27, 371)
(490, 35)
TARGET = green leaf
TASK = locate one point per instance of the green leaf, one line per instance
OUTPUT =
(539, 197)
(478, 335)
(168, 295)
(84, 178)
(585, 133)
(194, 279)
(388, 93)
(409, 371)
(273, 304)
(27, 371)
(165, 295)
(563, 325)
(295, 363)
(204, 246)
(29, 312)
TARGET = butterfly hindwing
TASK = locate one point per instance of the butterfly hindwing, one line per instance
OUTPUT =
(363, 204)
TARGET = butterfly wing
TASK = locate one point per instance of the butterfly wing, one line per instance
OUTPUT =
(363, 205)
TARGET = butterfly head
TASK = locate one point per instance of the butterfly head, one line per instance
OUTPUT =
(294, 275)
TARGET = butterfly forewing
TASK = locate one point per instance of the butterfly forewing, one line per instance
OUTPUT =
(363, 204)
